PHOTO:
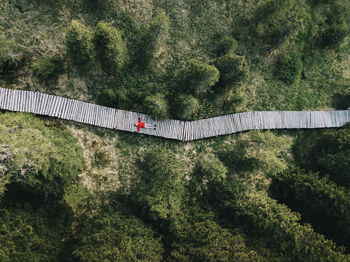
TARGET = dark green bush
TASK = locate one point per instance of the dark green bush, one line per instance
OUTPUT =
(79, 44)
(232, 68)
(289, 67)
(27, 236)
(277, 19)
(328, 153)
(341, 101)
(185, 106)
(160, 191)
(110, 47)
(227, 45)
(114, 236)
(157, 106)
(275, 223)
(198, 78)
(335, 32)
(11, 57)
(154, 40)
(38, 158)
(318, 200)
(48, 68)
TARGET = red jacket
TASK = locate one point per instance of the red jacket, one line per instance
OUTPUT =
(140, 124)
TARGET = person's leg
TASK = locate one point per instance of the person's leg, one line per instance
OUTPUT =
(150, 126)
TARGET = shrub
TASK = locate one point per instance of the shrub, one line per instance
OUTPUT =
(110, 47)
(335, 32)
(48, 68)
(227, 45)
(341, 101)
(232, 68)
(11, 56)
(198, 77)
(27, 236)
(155, 39)
(289, 67)
(79, 44)
(275, 223)
(38, 158)
(114, 236)
(328, 153)
(185, 106)
(160, 190)
(318, 200)
(157, 106)
(276, 19)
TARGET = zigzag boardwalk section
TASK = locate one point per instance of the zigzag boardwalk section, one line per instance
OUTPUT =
(82, 112)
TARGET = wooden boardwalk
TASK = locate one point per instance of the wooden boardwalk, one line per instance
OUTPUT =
(78, 111)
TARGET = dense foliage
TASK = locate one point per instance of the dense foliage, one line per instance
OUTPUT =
(36, 157)
(255, 196)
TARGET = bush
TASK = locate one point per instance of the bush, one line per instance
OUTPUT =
(341, 101)
(79, 44)
(48, 68)
(328, 153)
(185, 106)
(27, 236)
(336, 27)
(160, 191)
(198, 77)
(36, 157)
(11, 57)
(232, 68)
(157, 106)
(289, 67)
(275, 223)
(114, 236)
(277, 19)
(318, 200)
(155, 39)
(227, 46)
(110, 47)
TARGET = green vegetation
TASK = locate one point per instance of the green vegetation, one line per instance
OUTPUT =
(110, 47)
(289, 68)
(36, 157)
(47, 69)
(198, 78)
(114, 236)
(79, 44)
(70, 192)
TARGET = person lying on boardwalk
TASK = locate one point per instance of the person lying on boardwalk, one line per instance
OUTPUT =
(141, 124)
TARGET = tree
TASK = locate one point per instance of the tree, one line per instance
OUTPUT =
(26, 235)
(12, 57)
(79, 44)
(110, 47)
(48, 68)
(198, 78)
(36, 157)
(318, 200)
(327, 152)
(289, 67)
(275, 223)
(227, 46)
(112, 235)
(157, 106)
(232, 68)
(336, 26)
(160, 190)
(200, 238)
(277, 19)
(258, 154)
(185, 106)
(155, 39)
